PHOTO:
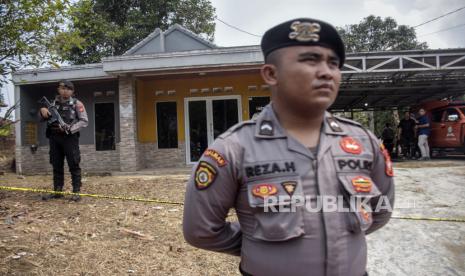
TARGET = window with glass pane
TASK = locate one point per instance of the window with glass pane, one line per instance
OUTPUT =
(452, 115)
(437, 116)
(256, 105)
(104, 126)
(167, 125)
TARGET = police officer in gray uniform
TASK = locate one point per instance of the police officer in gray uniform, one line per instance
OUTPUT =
(295, 154)
(65, 142)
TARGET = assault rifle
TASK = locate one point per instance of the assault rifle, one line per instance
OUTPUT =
(55, 116)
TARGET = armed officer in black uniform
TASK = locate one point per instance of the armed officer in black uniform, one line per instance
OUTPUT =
(64, 140)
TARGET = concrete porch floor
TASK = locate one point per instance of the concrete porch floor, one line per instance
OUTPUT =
(162, 171)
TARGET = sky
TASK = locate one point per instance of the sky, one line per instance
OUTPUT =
(256, 16)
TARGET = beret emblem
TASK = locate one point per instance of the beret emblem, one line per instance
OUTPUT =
(305, 31)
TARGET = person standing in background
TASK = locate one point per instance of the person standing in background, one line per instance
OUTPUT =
(64, 141)
(388, 136)
(424, 131)
(407, 135)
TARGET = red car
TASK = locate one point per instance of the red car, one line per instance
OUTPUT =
(447, 126)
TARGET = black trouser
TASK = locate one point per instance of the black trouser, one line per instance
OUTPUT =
(408, 145)
(61, 146)
(389, 144)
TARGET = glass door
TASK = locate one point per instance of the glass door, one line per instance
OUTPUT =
(206, 119)
(225, 115)
(198, 141)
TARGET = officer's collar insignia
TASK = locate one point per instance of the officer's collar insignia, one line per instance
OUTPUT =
(351, 145)
(205, 175)
(266, 128)
(289, 187)
(213, 154)
(264, 190)
(335, 127)
(305, 31)
(362, 184)
(387, 161)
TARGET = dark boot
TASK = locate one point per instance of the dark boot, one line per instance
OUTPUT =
(76, 189)
(52, 196)
(75, 197)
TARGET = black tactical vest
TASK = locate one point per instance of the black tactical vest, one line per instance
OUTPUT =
(67, 110)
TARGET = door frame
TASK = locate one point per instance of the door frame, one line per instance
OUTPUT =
(209, 122)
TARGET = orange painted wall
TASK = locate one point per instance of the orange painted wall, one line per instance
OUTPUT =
(146, 97)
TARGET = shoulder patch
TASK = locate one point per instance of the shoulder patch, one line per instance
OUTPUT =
(236, 127)
(205, 175)
(387, 161)
(80, 107)
(218, 157)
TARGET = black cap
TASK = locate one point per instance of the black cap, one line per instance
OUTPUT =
(303, 32)
(67, 83)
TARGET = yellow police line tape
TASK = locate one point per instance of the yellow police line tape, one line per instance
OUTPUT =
(430, 219)
(8, 188)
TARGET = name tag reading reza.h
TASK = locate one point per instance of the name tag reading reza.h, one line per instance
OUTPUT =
(270, 168)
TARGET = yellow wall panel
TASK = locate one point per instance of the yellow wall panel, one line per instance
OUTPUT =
(146, 97)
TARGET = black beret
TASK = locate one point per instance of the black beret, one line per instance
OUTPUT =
(303, 32)
(67, 83)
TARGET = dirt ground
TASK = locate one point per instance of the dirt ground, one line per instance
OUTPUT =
(101, 236)
(115, 237)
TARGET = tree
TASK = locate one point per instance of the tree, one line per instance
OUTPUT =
(376, 34)
(100, 28)
(26, 27)
(7, 120)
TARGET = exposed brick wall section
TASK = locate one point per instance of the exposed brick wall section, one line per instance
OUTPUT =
(128, 126)
(91, 160)
(153, 157)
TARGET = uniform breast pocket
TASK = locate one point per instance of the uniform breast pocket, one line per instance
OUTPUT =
(277, 206)
(358, 190)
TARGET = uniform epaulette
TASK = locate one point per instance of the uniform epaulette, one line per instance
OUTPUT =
(236, 127)
(349, 121)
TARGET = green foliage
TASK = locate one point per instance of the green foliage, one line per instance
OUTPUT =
(376, 34)
(362, 118)
(26, 27)
(383, 117)
(99, 28)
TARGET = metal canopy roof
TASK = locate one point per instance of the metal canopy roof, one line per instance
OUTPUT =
(384, 80)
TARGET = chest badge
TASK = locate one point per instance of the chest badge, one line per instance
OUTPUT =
(362, 184)
(289, 187)
(305, 31)
(264, 190)
(351, 145)
(205, 175)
